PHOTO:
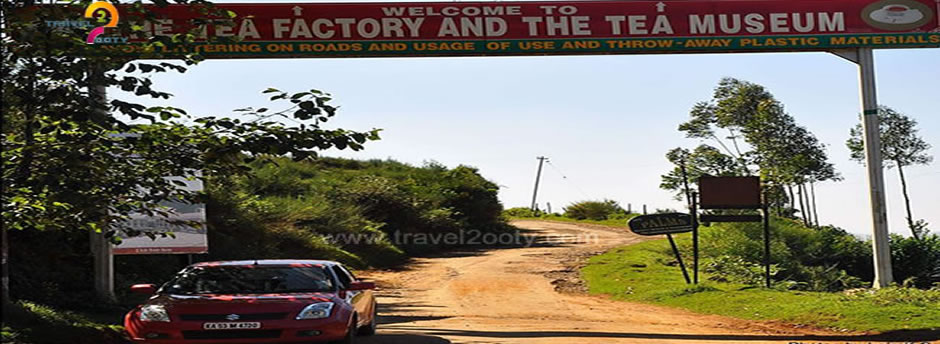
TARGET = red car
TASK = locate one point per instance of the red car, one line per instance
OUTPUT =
(263, 301)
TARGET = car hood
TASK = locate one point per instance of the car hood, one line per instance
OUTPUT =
(240, 303)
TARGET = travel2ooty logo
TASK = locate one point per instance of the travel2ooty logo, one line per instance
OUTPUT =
(101, 10)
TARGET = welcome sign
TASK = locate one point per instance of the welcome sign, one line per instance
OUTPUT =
(544, 28)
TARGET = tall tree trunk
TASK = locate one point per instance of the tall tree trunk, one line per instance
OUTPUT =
(799, 191)
(809, 208)
(792, 198)
(812, 190)
(907, 201)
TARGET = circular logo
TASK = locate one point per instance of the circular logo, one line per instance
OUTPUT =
(106, 7)
(897, 15)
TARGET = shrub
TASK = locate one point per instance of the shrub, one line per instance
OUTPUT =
(519, 212)
(737, 270)
(818, 259)
(916, 259)
(31, 323)
(593, 210)
(827, 278)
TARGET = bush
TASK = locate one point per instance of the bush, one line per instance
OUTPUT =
(593, 210)
(827, 278)
(519, 212)
(818, 259)
(736, 269)
(916, 260)
(31, 323)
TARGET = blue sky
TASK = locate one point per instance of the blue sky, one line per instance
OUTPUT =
(604, 121)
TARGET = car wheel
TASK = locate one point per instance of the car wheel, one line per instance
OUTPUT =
(350, 333)
(369, 329)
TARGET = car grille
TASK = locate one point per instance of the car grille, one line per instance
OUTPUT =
(231, 334)
(241, 317)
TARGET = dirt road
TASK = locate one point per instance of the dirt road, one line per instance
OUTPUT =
(511, 295)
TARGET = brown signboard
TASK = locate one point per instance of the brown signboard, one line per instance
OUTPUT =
(729, 192)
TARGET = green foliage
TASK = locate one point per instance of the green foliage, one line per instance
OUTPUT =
(646, 272)
(336, 209)
(737, 270)
(823, 259)
(754, 133)
(827, 278)
(615, 220)
(31, 323)
(819, 259)
(916, 260)
(519, 212)
(66, 149)
(345, 210)
(704, 160)
(900, 147)
(76, 160)
(593, 210)
(900, 144)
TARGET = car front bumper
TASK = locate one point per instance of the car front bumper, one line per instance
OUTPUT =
(271, 331)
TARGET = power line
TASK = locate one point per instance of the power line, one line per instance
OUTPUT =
(568, 180)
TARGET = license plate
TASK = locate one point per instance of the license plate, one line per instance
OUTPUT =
(231, 325)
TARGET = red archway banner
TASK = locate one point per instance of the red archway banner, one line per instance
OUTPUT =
(553, 28)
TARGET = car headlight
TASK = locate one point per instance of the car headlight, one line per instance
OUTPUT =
(318, 310)
(154, 313)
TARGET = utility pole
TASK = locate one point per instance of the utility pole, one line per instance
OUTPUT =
(538, 175)
(864, 58)
(876, 179)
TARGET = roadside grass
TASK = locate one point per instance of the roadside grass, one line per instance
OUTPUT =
(609, 222)
(30, 323)
(646, 272)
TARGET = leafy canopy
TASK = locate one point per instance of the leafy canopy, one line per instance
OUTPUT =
(75, 160)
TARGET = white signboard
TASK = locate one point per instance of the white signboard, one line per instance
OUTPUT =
(185, 239)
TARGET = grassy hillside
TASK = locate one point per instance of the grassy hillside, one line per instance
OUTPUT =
(338, 209)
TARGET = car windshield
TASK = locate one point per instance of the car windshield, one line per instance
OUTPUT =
(250, 279)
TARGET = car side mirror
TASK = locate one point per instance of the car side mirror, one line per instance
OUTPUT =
(144, 289)
(359, 285)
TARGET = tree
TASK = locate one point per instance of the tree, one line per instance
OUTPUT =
(761, 136)
(73, 160)
(704, 160)
(900, 147)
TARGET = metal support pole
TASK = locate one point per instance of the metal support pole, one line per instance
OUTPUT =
(766, 224)
(876, 182)
(538, 175)
(100, 245)
(678, 258)
(694, 209)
